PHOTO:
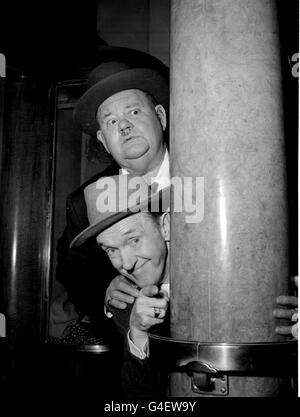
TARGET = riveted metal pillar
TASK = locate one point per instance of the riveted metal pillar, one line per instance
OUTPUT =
(227, 127)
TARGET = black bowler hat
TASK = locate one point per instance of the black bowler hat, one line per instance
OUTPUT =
(136, 196)
(141, 71)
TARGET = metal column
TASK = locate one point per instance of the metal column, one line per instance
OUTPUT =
(227, 127)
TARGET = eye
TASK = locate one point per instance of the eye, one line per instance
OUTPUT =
(135, 112)
(134, 241)
(111, 122)
(111, 252)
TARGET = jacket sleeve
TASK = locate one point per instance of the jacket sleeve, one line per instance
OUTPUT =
(139, 378)
(145, 378)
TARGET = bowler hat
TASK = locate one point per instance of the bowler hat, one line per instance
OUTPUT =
(111, 199)
(109, 78)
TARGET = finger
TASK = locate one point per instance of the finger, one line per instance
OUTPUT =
(122, 283)
(120, 296)
(149, 291)
(159, 313)
(117, 304)
(122, 278)
(284, 330)
(151, 302)
(127, 288)
(287, 300)
(150, 312)
(283, 313)
(153, 292)
(150, 316)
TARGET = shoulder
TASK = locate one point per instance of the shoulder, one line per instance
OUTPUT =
(75, 205)
(113, 169)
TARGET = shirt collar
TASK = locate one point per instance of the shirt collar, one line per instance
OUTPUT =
(163, 174)
(166, 287)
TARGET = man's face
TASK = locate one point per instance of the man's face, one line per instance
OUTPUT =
(137, 248)
(131, 130)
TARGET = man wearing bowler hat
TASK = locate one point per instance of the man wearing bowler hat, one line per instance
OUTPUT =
(131, 225)
(125, 107)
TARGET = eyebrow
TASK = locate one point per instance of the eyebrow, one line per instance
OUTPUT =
(106, 115)
(102, 246)
(133, 105)
(137, 104)
(129, 231)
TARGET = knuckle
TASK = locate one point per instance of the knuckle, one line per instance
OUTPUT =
(144, 321)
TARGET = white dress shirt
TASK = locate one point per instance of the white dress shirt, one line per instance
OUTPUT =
(162, 177)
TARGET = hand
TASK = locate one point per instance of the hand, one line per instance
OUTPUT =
(142, 315)
(120, 292)
(287, 310)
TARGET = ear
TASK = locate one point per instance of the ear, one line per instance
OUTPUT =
(165, 225)
(162, 116)
(102, 139)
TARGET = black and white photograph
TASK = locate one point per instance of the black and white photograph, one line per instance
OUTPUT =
(149, 203)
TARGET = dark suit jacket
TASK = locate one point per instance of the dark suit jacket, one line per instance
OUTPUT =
(86, 272)
(145, 378)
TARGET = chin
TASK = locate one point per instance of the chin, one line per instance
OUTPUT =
(138, 158)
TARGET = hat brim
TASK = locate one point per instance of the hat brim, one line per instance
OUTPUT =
(157, 200)
(145, 79)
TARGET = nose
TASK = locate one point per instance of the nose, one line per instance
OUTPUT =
(128, 260)
(125, 127)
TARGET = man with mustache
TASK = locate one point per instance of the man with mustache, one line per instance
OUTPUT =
(124, 107)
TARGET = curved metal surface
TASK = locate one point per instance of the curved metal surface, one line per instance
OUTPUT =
(95, 349)
(241, 358)
(25, 221)
(228, 265)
